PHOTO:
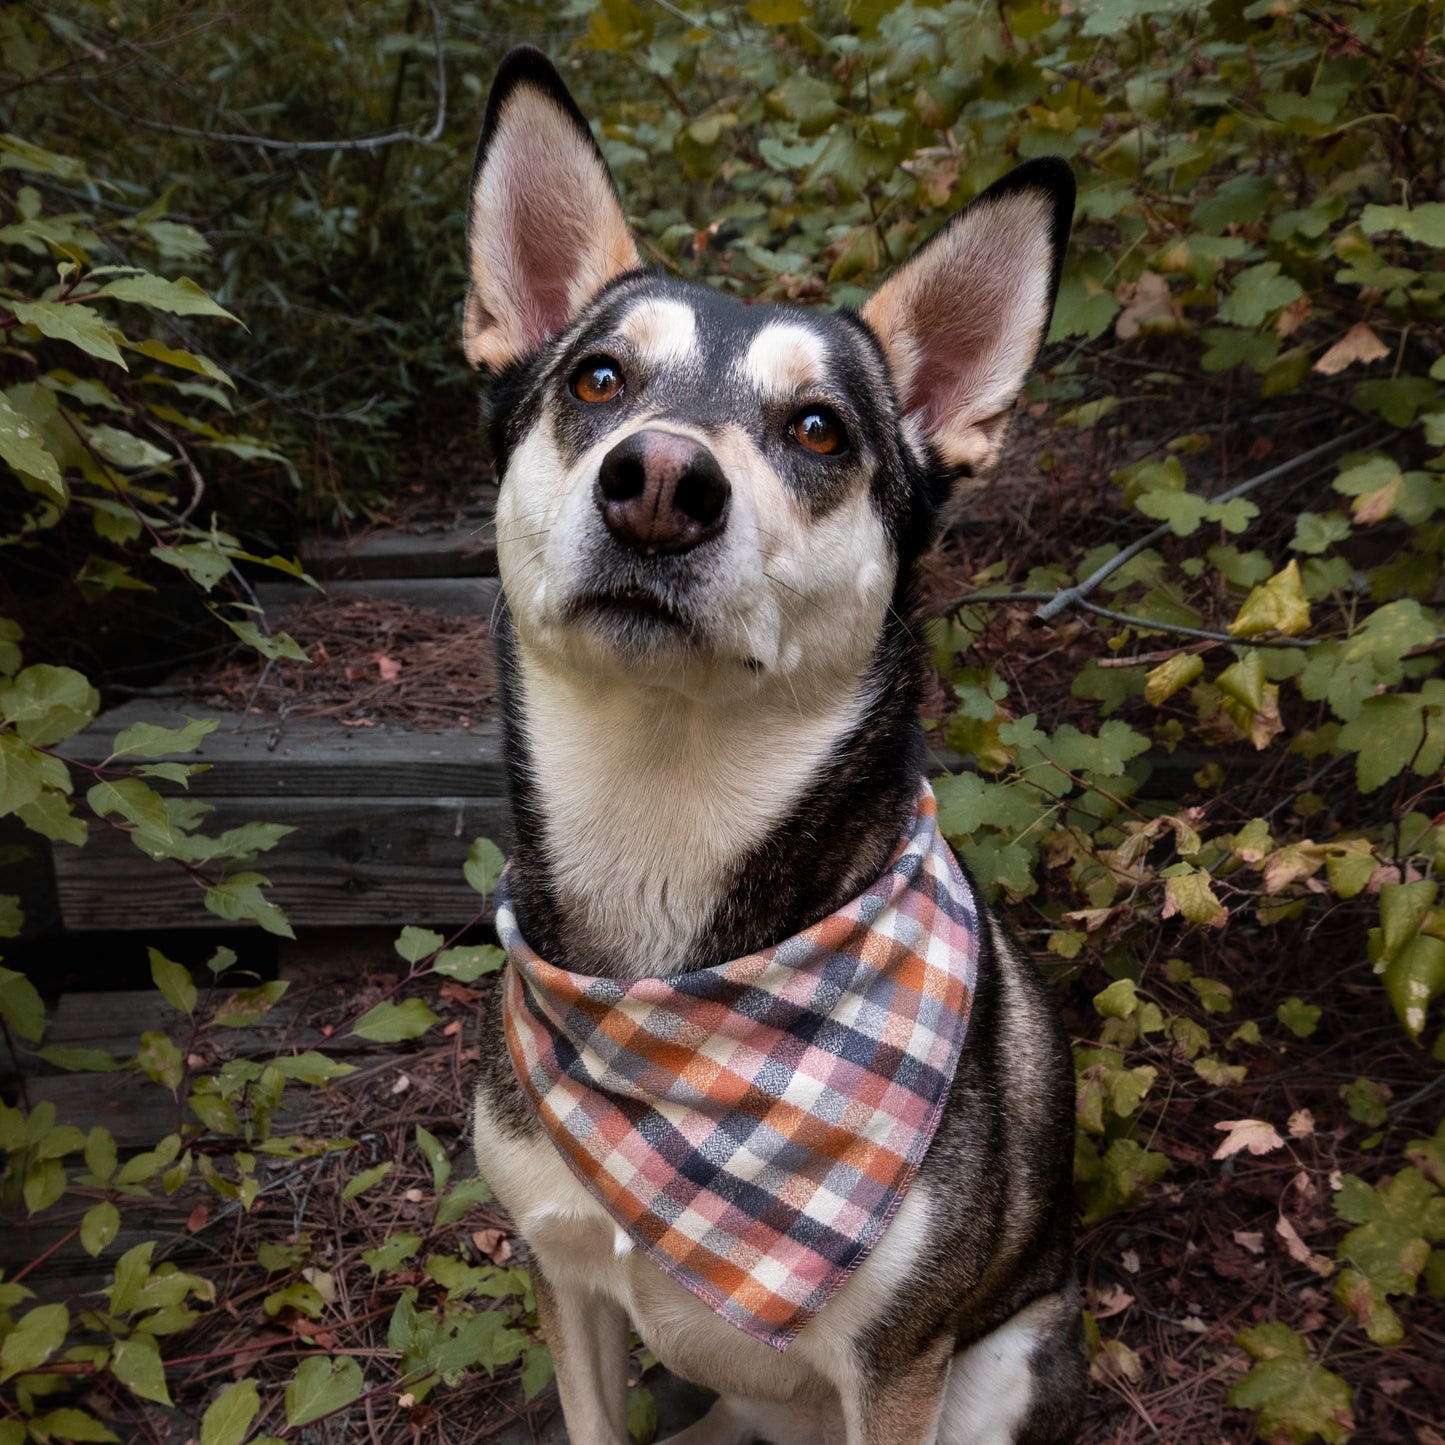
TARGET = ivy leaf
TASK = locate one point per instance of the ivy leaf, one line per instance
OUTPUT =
(391, 1022)
(1279, 606)
(1297, 1398)
(72, 322)
(228, 1417)
(136, 1362)
(322, 1386)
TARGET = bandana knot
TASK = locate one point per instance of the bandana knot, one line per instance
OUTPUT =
(754, 1126)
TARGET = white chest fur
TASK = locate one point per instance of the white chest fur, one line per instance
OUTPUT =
(651, 801)
(581, 1250)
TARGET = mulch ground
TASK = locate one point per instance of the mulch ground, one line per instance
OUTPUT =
(373, 660)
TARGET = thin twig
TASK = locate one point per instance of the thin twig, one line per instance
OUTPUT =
(1068, 596)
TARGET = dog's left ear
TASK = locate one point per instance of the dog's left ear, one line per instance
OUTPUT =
(545, 231)
(962, 321)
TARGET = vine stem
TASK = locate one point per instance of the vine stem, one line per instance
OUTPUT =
(1068, 596)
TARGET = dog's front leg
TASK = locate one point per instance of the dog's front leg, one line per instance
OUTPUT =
(899, 1406)
(588, 1339)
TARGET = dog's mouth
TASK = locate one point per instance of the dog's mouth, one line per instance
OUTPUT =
(634, 614)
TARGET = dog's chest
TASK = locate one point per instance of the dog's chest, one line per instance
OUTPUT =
(581, 1250)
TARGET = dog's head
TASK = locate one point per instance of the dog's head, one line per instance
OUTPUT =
(713, 495)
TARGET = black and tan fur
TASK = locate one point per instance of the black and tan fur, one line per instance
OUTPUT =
(712, 657)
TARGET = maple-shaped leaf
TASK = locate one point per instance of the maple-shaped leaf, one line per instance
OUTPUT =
(1359, 343)
(1296, 1397)
(1255, 1135)
(1395, 1226)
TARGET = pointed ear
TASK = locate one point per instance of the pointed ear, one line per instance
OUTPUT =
(545, 231)
(962, 322)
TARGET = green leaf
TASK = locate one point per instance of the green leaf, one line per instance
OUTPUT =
(436, 1157)
(1395, 1226)
(1414, 979)
(137, 803)
(1390, 732)
(391, 1022)
(1117, 1001)
(187, 360)
(460, 1198)
(414, 944)
(22, 444)
(100, 1225)
(641, 1415)
(146, 740)
(160, 1060)
(181, 297)
(174, 982)
(360, 1183)
(1299, 1017)
(1424, 223)
(537, 1372)
(240, 896)
(1257, 293)
(48, 704)
(779, 12)
(39, 1333)
(70, 322)
(71, 1424)
(136, 1363)
(484, 865)
(51, 816)
(24, 155)
(469, 963)
(228, 1418)
(203, 562)
(321, 1387)
(1369, 661)
(312, 1067)
(21, 1006)
(12, 916)
(1315, 533)
(25, 774)
(1297, 1399)
(389, 1256)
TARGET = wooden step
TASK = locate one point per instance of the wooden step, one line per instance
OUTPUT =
(467, 548)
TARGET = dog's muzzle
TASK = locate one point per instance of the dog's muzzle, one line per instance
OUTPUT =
(660, 493)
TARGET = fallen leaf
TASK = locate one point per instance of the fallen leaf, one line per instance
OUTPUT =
(494, 1244)
(413, 1196)
(401, 1084)
(405, 1402)
(1130, 1260)
(1299, 1251)
(1148, 306)
(1112, 1301)
(322, 1281)
(197, 1218)
(459, 993)
(1359, 343)
(1293, 317)
(1252, 1134)
(1250, 1239)
(1301, 1124)
(388, 667)
(358, 722)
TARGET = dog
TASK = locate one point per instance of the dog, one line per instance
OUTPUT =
(712, 527)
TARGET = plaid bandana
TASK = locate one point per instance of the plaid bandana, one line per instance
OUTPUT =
(755, 1125)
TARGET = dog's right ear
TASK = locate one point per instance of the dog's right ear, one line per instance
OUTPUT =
(545, 231)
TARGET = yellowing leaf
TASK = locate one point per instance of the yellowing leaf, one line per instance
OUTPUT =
(1188, 894)
(1279, 606)
(1176, 672)
(1297, 1398)
(1358, 344)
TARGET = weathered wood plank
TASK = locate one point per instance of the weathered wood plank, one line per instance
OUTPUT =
(467, 550)
(255, 756)
(456, 596)
(355, 860)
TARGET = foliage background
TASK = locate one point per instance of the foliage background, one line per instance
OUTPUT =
(1208, 784)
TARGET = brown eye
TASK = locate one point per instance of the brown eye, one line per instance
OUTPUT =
(819, 430)
(598, 379)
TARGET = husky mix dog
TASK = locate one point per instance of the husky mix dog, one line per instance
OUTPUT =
(712, 526)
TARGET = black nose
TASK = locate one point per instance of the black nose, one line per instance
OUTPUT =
(659, 492)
